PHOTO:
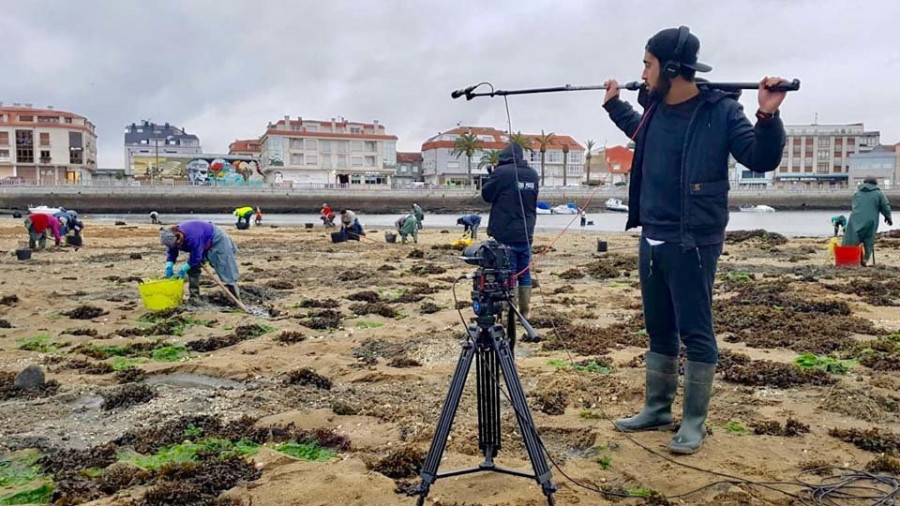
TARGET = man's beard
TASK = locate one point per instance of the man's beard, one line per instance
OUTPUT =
(661, 88)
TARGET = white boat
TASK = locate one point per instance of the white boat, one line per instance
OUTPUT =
(541, 210)
(44, 210)
(614, 204)
(564, 209)
(747, 208)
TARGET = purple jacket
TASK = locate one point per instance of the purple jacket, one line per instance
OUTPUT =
(198, 236)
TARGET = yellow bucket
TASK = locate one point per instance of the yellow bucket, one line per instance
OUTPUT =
(162, 294)
(834, 241)
(462, 243)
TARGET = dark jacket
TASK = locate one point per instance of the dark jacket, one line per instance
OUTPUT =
(507, 198)
(717, 128)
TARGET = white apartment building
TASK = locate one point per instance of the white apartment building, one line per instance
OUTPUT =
(160, 148)
(46, 145)
(338, 151)
(441, 167)
(563, 153)
(818, 156)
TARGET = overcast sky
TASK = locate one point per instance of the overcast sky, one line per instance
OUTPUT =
(224, 68)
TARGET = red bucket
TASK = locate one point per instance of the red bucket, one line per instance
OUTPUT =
(845, 256)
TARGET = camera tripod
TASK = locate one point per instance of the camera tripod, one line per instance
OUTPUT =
(491, 349)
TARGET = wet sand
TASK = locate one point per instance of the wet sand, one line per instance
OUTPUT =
(389, 374)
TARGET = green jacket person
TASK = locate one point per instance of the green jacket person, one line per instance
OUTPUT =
(868, 201)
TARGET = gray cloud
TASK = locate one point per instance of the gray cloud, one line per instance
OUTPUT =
(223, 69)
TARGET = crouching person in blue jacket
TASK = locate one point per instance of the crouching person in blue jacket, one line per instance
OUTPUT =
(204, 242)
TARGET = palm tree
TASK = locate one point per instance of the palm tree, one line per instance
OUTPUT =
(466, 144)
(522, 140)
(543, 141)
(489, 158)
(590, 146)
(565, 164)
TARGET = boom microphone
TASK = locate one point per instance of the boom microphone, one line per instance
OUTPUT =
(464, 91)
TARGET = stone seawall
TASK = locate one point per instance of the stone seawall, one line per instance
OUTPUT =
(215, 200)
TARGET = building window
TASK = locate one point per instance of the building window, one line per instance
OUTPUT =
(554, 156)
(326, 161)
(4, 138)
(296, 144)
(325, 146)
(452, 165)
(370, 146)
(357, 161)
(69, 120)
(24, 146)
(45, 139)
(355, 130)
(45, 157)
(4, 153)
(296, 158)
(341, 160)
(48, 119)
(76, 149)
(356, 146)
(309, 144)
(312, 128)
(26, 119)
(341, 146)
(312, 159)
(370, 161)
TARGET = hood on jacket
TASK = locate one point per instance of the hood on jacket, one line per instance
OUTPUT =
(511, 154)
(867, 187)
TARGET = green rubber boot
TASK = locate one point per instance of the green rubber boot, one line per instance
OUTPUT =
(698, 381)
(661, 385)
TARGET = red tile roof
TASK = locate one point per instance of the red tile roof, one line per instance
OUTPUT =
(619, 159)
(39, 112)
(409, 157)
(557, 142)
(243, 146)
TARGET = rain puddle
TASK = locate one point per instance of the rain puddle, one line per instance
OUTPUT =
(187, 380)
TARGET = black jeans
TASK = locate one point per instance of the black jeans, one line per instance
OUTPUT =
(677, 288)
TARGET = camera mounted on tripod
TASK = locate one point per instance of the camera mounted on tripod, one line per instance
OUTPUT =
(495, 278)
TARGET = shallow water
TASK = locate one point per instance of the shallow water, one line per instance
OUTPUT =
(789, 223)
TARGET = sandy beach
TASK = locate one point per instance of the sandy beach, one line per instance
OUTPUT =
(355, 359)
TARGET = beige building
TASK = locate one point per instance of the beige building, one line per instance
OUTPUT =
(340, 152)
(818, 156)
(46, 145)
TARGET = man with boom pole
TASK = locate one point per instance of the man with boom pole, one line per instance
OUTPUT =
(679, 196)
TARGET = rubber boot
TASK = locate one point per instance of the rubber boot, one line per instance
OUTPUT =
(698, 381)
(194, 285)
(661, 385)
(524, 305)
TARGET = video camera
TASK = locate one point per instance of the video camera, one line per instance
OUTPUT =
(495, 278)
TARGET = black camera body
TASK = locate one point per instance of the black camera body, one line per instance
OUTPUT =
(494, 279)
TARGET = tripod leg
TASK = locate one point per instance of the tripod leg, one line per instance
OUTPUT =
(487, 374)
(523, 414)
(445, 423)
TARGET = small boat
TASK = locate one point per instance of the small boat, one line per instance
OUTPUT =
(748, 208)
(564, 209)
(614, 204)
(44, 210)
(543, 208)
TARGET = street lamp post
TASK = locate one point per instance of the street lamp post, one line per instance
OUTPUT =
(156, 142)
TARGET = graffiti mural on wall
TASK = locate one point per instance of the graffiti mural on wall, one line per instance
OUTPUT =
(223, 171)
(200, 170)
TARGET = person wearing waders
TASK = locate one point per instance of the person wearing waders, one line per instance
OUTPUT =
(406, 226)
(204, 242)
(678, 194)
(868, 202)
(419, 214)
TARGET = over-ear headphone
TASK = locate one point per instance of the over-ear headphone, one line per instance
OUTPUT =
(672, 68)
